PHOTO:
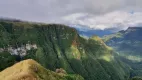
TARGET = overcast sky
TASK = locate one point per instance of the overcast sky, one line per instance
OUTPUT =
(96, 14)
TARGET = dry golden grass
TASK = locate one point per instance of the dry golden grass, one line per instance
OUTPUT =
(29, 70)
(20, 71)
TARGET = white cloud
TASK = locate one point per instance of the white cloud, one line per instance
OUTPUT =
(96, 14)
(117, 19)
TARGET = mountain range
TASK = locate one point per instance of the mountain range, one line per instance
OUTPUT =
(88, 32)
(128, 45)
(59, 52)
(57, 46)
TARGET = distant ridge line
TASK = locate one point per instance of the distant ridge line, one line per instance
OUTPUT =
(134, 27)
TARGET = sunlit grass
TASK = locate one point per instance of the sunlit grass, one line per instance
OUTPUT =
(31, 70)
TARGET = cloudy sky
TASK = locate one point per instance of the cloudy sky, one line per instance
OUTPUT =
(95, 14)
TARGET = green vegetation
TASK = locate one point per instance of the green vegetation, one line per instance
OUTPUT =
(6, 60)
(59, 46)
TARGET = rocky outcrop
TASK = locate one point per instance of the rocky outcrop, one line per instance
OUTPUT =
(21, 51)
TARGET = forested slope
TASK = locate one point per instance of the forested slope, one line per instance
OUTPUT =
(58, 46)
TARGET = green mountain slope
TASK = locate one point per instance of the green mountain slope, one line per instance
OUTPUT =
(128, 45)
(59, 46)
(31, 70)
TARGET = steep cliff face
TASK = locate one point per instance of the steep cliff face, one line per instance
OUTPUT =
(128, 44)
(58, 46)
